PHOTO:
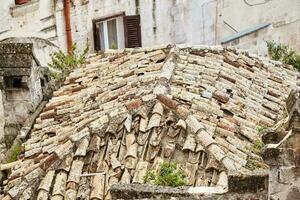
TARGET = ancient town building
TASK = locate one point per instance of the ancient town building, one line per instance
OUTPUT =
(22, 81)
(126, 112)
(105, 24)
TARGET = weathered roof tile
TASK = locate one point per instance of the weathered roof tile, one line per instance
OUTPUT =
(125, 112)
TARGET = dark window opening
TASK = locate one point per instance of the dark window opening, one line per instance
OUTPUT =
(42, 82)
(17, 82)
(13, 82)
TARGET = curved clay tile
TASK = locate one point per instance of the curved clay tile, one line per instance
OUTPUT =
(122, 114)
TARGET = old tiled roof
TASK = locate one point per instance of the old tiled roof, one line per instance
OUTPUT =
(124, 113)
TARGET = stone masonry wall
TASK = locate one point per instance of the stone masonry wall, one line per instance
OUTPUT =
(249, 186)
(284, 182)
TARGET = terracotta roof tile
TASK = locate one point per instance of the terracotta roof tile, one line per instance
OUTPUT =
(123, 113)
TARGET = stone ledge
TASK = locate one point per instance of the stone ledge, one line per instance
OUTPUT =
(14, 48)
(14, 71)
(145, 192)
(15, 61)
(141, 191)
(19, 10)
(250, 185)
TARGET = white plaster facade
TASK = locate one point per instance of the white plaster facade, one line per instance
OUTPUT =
(283, 16)
(162, 21)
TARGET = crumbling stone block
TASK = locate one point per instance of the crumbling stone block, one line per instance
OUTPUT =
(248, 182)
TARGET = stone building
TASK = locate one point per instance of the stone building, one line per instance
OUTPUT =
(126, 112)
(22, 82)
(120, 23)
(282, 153)
(104, 24)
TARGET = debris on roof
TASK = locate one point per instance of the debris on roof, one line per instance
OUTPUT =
(126, 112)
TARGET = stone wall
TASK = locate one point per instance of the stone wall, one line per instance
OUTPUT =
(42, 48)
(249, 186)
(284, 182)
(282, 154)
(143, 192)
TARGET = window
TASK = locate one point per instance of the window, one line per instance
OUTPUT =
(13, 82)
(17, 82)
(117, 32)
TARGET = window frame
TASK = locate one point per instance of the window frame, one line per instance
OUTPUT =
(97, 45)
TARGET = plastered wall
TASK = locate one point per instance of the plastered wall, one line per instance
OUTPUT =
(283, 15)
(162, 21)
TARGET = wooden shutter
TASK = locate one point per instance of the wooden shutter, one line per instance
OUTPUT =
(132, 31)
(96, 36)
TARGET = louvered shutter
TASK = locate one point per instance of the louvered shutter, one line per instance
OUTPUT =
(132, 31)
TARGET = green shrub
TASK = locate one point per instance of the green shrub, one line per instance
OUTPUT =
(169, 174)
(15, 152)
(284, 54)
(64, 63)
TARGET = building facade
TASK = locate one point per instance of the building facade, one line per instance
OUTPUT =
(110, 24)
(104, 24)
(248, 24)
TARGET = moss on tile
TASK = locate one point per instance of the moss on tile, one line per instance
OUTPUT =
(258, 145)
(260, 129)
